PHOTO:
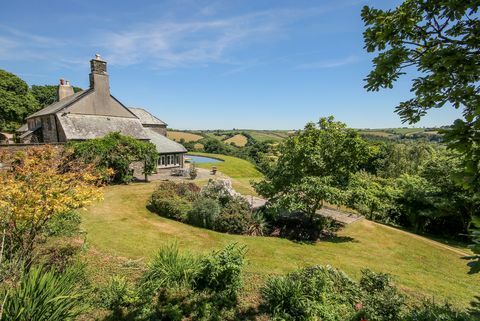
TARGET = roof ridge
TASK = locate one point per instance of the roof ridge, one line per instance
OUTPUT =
(61, 104)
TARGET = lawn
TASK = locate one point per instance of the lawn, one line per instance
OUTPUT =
(121, 226)
(241, 172)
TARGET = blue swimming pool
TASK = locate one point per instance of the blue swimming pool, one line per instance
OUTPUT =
(202, 159)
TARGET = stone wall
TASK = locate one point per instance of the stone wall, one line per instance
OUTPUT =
(21, 147)
(49, 129)
(161, 129)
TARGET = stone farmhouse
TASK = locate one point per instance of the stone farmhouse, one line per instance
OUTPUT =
(93, 113)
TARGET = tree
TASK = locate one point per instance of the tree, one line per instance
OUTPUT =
(40, 184)
(212, 145)
(441, 39)
(47, 94)
(315, 166)
(117, 152)
(16, 101)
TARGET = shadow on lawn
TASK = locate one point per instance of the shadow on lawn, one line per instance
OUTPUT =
(339, 239)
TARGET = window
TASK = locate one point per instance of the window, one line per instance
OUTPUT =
(161, 161)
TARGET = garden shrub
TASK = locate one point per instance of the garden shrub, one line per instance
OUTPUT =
(220, 273)
(430, 311)
(299, 227)
(179, 286)
(170, 268)
(66, 224)
(322, 293)
(117, 295)
(173, 200)
(235, 217)
(382, 300)
(204, 212)
(220, 190)
(44, 295)
(328, 294)
(257, 225)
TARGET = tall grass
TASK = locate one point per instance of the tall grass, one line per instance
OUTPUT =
(170, 268)
(44, 295)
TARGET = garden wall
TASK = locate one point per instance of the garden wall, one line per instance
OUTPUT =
(21, 147)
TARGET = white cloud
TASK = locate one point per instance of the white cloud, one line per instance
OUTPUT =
(325, 64)
(203, 40)
(178, 43)
(204, 37)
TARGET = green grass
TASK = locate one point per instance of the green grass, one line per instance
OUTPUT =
(264, 135)
(241, 172)
(121, 226)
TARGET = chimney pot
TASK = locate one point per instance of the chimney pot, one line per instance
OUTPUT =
(97, 57)
(62, 81)
(67, 82)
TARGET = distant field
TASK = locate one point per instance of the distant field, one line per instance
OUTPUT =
(214, 135)
(238, 140)
(407, 131)
(278, 135)
(375, 133)
(188, 137)
(264, 135)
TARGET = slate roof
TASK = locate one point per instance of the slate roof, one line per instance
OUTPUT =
(57, 106)
(81, 127)
(145, 117)
(163, 144)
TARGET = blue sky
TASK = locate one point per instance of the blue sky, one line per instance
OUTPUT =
(211, 64)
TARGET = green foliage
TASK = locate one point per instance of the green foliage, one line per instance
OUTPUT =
(318, 292)
(257, 225)
(173, 200)
(16, 101)
(220, 190)
(440, 39)
(171, 269)
(47, 94)
(325, 293)
(204, 212)
(314, 166)
(235, 217)
(179, 286)
(117, 295)
(430, 311)
(221, 273)
(44, 295)
(396, 159)
(382, 300)
(373, 197)
(65, 224)
(416, 189)
(214, 146)
(117, 152)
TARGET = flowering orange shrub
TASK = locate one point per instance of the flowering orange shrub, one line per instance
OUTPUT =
(36, 185)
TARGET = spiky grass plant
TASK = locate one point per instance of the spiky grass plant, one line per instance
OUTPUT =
(44, 295)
